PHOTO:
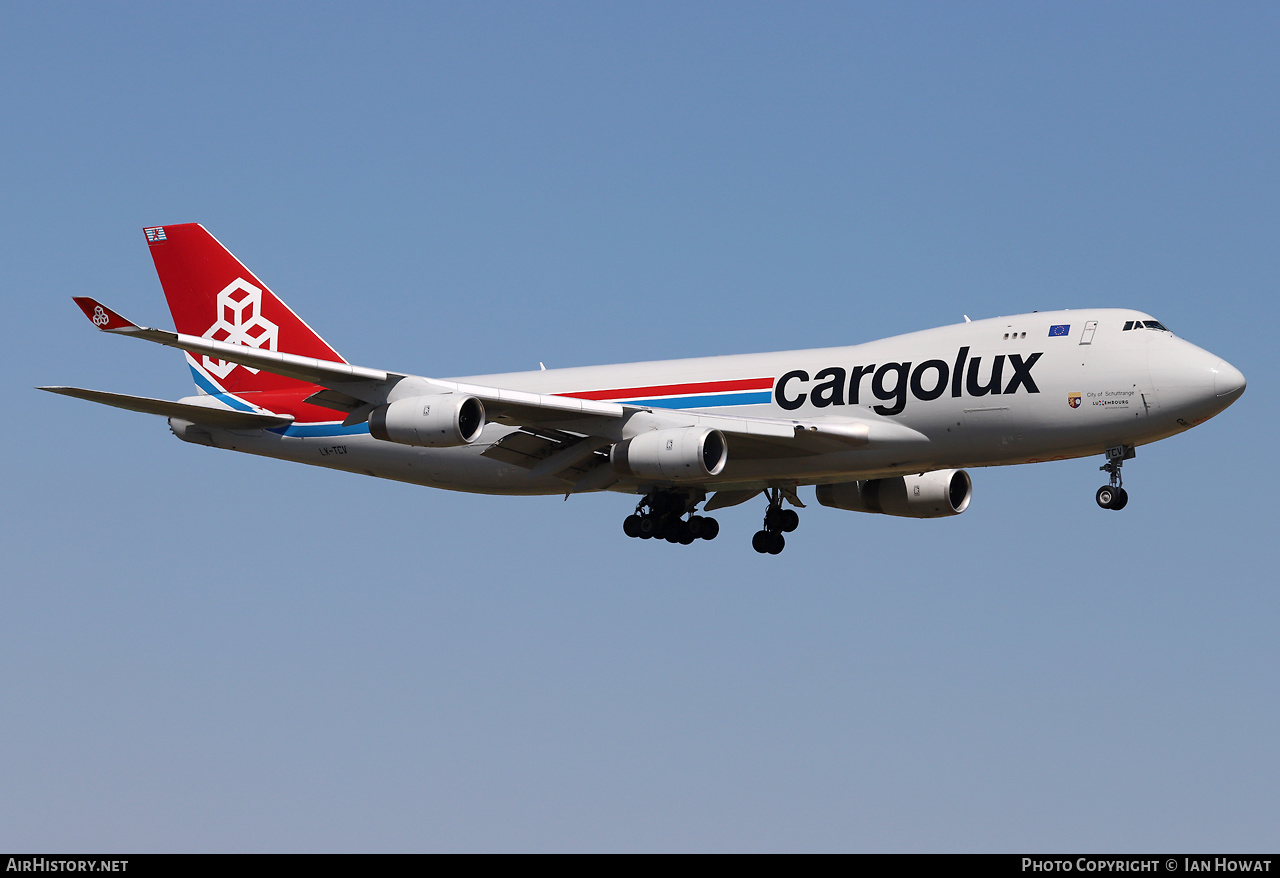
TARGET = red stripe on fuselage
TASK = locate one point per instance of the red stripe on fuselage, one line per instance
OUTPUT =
(293, 402)
(674, 389)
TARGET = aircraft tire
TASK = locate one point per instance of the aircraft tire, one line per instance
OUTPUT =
(777, 544)
(709, 529)
(761, 542)
(1121, 500)
(648, 527)
(788, 520)
(1106, 497)
(631, 526)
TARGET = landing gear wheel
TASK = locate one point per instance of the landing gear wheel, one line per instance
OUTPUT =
(777, 543)
(1113, 496)
(1106, 497)
(785, 520)
(648, 527)
(768, 542)
(671, 516)
(777, 521)
(704, 528)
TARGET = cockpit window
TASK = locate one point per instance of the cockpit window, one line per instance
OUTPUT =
(1144, 324)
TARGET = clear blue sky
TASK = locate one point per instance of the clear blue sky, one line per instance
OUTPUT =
(209, 651)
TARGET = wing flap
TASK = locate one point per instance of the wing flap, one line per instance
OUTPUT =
(546, 453)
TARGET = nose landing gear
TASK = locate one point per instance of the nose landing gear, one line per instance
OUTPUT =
(1112, 495)
(777, 521)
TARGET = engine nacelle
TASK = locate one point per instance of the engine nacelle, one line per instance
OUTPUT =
(931, 495)
(440, 421)
(672, 455)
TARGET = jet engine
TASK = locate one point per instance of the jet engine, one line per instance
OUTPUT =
(930, 495)
(440, 421)
(672, 455)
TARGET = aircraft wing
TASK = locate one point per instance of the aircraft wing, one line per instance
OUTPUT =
(357, 390)
(308, 369)
(368, 386)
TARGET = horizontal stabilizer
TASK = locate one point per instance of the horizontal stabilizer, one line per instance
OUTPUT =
(198, 414)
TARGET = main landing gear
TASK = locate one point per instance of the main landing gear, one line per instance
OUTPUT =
(777, 521)
(661, 515)
(1113, 496)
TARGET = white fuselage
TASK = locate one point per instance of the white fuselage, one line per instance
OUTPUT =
(1055, 397)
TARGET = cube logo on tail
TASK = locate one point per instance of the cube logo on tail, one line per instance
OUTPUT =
(213, 295)
(240, 321)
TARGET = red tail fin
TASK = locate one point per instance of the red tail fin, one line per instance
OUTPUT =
(213, 296)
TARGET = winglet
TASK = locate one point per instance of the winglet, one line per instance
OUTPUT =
(103, 317)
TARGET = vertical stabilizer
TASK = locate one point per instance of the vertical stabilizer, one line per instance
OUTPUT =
(212, 295)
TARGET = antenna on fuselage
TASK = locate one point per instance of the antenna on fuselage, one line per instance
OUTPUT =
(966, 319)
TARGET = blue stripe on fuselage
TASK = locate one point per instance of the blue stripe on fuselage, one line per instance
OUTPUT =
(304, 431)
(208, 387)
(293, 430)
(717, 400)
(762, 397)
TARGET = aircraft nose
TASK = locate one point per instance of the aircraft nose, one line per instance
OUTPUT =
(1194, 384)
(1227, 380)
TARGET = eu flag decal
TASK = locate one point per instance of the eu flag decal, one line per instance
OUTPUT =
(1059, 329)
